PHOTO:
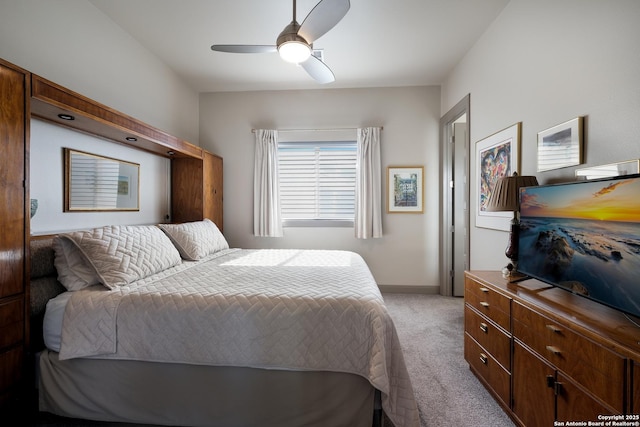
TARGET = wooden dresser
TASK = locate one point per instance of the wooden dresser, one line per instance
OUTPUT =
(548, 355)
(14, 228)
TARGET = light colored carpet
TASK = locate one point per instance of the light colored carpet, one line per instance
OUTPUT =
(431, 331)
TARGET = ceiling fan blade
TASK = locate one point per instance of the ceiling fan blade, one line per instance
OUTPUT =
(323, 17)
(244, 48)
(318, 70)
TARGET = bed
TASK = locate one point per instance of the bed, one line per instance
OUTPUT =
(167, 325)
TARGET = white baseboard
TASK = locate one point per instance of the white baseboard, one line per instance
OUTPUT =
(401, 289)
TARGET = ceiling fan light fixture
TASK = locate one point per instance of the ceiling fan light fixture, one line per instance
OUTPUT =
(295, 42)
(294, 51)
(291, 46)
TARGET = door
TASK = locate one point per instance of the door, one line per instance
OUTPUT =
(13, 121)
(460, 207)
(14, 191)
(533, 388)
(575, 404)
(454, 234)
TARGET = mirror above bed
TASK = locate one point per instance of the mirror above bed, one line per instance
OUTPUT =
(98, 183)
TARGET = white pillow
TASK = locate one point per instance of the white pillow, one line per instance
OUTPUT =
(124, 254)
(195, 240)
(75, 272)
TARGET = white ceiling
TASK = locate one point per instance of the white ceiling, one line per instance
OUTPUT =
(378, 43)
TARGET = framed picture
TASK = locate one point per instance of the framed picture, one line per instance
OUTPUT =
(560, 146)
(98, 183)
(405, 189)
(496, 156)
(606, 171)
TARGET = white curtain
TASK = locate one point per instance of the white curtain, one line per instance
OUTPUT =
(368, 220)
(267, 219)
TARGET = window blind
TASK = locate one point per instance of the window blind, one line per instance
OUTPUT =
(317, 180)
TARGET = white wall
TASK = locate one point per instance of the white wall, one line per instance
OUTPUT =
(408, 254)
(72, 43)
(542, 63)
(47, 183)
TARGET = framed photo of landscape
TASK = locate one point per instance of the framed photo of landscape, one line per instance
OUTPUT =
(560, 146)
(405, 189)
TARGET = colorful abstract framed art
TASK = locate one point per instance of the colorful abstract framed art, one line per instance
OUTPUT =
(496, 156)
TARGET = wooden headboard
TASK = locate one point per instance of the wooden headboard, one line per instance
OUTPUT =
(196, 184)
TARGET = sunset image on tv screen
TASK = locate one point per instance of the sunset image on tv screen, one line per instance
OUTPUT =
(585, 237)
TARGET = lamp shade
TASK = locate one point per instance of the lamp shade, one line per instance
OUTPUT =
(505, 195)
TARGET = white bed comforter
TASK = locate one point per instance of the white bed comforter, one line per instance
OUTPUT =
(275, 309)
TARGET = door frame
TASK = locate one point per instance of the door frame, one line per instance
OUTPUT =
(446, 198)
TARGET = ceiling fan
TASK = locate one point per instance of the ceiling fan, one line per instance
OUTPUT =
(295, 42)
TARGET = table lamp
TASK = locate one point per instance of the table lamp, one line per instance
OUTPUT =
(505, 197)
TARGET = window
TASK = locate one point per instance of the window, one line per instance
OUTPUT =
(317, 183)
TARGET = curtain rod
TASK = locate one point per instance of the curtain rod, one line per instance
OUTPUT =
(313, 130)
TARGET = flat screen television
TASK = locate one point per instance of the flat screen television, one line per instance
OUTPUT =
(584, 236)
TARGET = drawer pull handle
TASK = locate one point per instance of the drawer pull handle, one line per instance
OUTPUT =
(483, 358)
(484, 304)
(551, 381)
(554, 328)
(553, 349)
(557, 389)
(484, 328)
(485, 290)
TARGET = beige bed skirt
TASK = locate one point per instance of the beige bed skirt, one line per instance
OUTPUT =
(194, 395)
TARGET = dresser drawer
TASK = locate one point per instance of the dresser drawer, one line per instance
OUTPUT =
(492, 304)
(489, 336)
(11, 368)
(11, 321)
(594, 367)
(498, 379)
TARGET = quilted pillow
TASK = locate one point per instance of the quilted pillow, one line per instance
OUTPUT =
(74, 269)
(195, 240)
(124, 254)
